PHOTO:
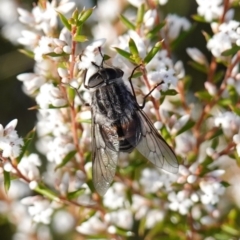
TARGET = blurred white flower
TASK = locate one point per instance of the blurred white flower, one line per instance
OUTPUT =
(40, 209)
(10, 143)
(229, 122)
(180, 202)
(50, 95)
(115, 196)
(136, 3)
(45, 19)
(210, 10)
(92, 226)
(174, 25)
(197, 56)
(29, 166)
(211, 88)
(31, 82)
(219, 43)
(122, 218)
(63, 222)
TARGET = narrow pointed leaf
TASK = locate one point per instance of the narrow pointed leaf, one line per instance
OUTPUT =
(46, 192)
(7, 180)
(75, 194)
(123, 53)
(140, 14)
(186, 127)
(133, 47)
(66, 159)
(127, 23)
(85, 15)
(153, 52)
(155, 30)
(64, 21)
(27, 140)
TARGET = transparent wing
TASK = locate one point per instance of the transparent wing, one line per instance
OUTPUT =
(105, 147)
(154, 147)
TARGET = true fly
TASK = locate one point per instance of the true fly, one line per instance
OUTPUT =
(120, 125)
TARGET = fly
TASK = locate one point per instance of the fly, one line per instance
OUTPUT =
(120, 125)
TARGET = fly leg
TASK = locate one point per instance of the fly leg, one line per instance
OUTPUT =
(134, 94)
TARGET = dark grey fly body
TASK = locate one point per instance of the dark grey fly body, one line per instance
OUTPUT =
(120, 125)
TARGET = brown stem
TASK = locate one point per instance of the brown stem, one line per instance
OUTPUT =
(209, 106)
(155, 103)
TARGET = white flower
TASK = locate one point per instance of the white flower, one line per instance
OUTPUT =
(92, 226)
(212, 90)
(211, 191)
(162, 2)
(122, 218)
(28, 166)
(229, 122)
(149, 18)
(50, 95)
(31, 82)
(136, 3)
(180, 202)
(210, 9)
(219, 43)
(197, 56)
(115, 196)
(10, 143)
(39, 209)
(174, 25)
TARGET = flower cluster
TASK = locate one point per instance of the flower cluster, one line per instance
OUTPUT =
(202, 126)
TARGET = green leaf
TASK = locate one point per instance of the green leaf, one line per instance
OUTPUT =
(66, 159)
(43, 190)
(199, 67)
(204, 95)
(225, 102)
(140, 14)
(225, 184)
(198, 18)
(218, 133)
(53, 54)
(153, 52)
(123, 53)
(64, 21)
(142, 226)
(75, 194)
(235, 110)
(106, 57)
(127, 23)
(232, 94)
(232, 51)
(27, 140)
(84, 15)
(137, 75)
(133, 47)
(218, 76)
(155, 30)
(231, 230)
(169, 92)
(7, 180)
(186, 127)
(80, 38)
(27, 53)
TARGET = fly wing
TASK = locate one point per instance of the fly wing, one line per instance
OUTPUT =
(105, 147)
(154, 147)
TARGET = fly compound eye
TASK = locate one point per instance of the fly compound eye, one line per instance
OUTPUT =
(104, 75)
(95, 80)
